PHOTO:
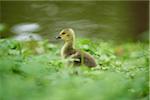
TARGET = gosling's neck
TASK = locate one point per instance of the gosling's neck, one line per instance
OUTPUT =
(69, 44)
(67, 48)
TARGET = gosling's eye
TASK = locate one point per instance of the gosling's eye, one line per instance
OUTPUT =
(63, 33)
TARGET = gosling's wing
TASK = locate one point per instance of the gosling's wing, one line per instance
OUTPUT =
(89, 60)
(77, 58)
(83, 58)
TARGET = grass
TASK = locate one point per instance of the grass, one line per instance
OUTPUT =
(34, 71)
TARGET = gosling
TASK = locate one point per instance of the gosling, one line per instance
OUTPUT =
(68, 50)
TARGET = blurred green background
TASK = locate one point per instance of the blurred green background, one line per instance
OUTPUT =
(34, 70)
(104, 20)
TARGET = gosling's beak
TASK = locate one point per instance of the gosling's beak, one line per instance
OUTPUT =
(58, 37)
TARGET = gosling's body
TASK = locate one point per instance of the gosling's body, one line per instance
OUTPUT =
(69, 51)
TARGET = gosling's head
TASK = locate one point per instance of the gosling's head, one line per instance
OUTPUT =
(67, 35)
